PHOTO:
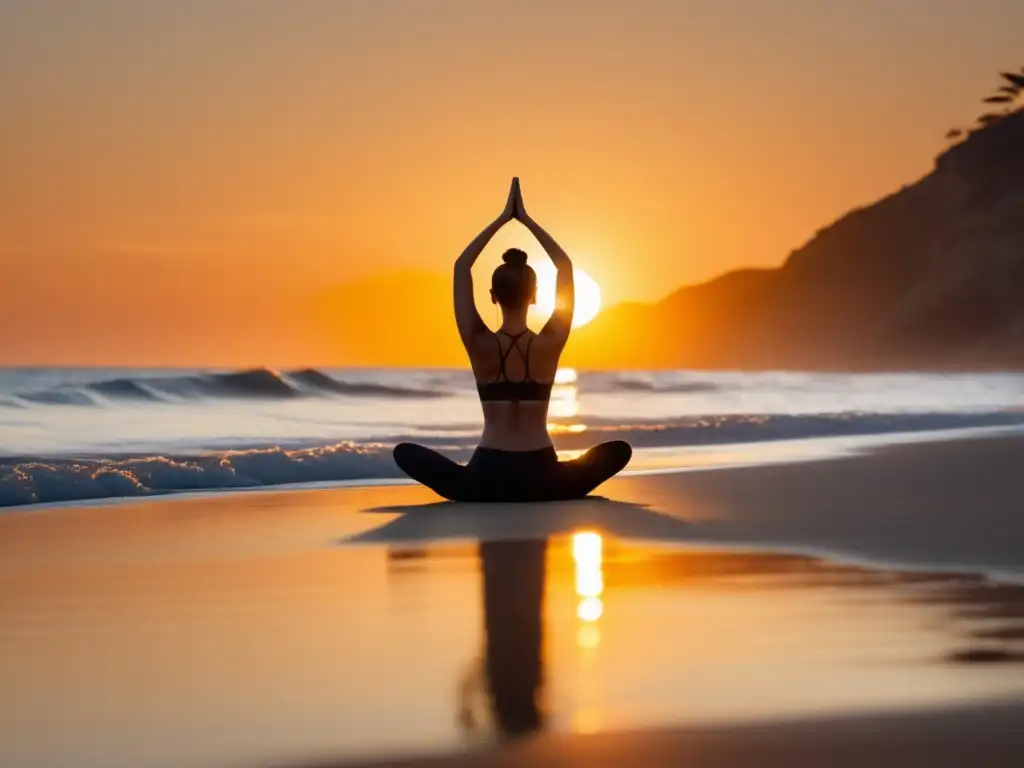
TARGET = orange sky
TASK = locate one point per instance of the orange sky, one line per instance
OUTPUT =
(181, 181)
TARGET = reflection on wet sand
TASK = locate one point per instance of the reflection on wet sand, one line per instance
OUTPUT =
(717, 611)
(510, 676)
(988, 618)
(980, 620)
(513, 589)
(587, 557)
(513, 575)
(215, 632)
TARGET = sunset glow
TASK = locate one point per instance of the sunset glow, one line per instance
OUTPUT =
(588, 294)
(287, 184)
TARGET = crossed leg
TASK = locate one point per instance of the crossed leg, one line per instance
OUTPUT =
(572, 479)
(439, 473)
(579, 476)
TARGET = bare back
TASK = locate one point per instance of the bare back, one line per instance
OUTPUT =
(515, 370)
(514, 374)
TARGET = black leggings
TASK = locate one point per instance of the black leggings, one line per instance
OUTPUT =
(494, 475)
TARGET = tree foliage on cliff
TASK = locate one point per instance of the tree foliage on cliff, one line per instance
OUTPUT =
(1009, 94)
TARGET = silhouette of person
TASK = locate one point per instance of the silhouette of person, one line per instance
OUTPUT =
(515, 370)
(513, 590)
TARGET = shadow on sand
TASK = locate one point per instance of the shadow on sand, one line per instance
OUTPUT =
(448, 520)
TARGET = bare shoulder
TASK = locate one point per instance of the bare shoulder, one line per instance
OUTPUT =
(545, 352)
(553, 336)
(481, 348)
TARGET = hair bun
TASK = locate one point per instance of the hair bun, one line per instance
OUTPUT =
(514, 257)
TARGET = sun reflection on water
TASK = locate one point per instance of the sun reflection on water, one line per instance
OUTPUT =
(587, 554)
(565, 376)
(564, 406)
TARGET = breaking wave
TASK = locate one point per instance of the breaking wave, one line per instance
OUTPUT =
(654, 387)
(32, 480)
(318, 380)
(257, 383)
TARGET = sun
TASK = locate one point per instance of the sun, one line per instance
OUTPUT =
(588, 294)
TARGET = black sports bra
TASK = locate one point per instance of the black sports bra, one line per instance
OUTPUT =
(503, 389)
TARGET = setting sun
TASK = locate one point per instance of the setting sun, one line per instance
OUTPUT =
(588, 294)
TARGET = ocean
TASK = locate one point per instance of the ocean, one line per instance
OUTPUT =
(72, 434)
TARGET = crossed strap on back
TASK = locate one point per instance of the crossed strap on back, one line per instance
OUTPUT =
(504, 354)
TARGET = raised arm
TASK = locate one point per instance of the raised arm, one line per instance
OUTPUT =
(560, 322)
(466, 315)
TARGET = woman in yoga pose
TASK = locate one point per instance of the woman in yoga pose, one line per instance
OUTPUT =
(514, 371)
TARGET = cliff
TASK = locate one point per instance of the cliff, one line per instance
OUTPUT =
(931, 276)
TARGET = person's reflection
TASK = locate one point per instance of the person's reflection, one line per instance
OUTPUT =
(513, 589)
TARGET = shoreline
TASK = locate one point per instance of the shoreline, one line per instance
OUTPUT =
(723, 507)
(760, 453)
(344, 620)
(952, 506)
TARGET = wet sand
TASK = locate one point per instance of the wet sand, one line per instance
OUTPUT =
(287, 628)
(957, 504)
(987, 736)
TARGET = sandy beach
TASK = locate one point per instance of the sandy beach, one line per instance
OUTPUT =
(944, 738)
(848, 611)
(739, 283)
(954, 504)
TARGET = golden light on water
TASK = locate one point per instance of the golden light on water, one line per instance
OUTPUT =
(587, 292)
(572, 429)
(564, 406)
(588, 636)
(586, 551)
(586, 720)
(565, 376)
(590, 609)
(587, 554)
(568, 454)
